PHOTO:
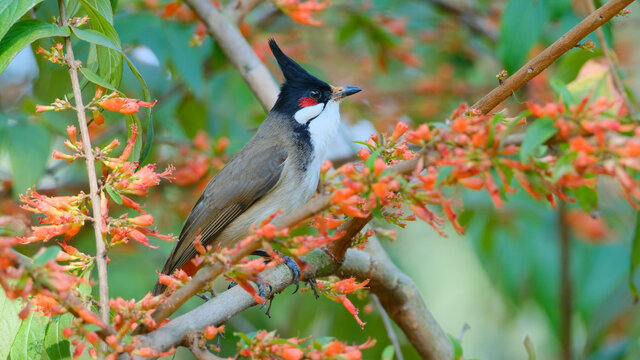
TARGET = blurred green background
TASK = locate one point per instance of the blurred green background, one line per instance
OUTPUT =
(416, 61)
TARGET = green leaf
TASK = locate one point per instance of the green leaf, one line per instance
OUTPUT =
(49, 253)
(564, 165)
(11, 11)
(561, 90)
(29, 341)
(24, 33)
(587, 198)
(97, 38)
(114, 195)
(27, 144)
(388, 353)
(109, 58)
(537, 134)
(635, 258)
(9, 323)
(520, 28)
(56, 345)
(96, 79)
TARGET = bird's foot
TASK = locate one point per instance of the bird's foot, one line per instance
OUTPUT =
(291, 264)
(312, 284)
(206, 296)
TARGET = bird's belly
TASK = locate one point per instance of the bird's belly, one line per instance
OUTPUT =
(287, 196)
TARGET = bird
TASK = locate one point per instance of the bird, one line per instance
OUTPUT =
(277, 170)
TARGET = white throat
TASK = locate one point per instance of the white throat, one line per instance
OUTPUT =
(323, 128)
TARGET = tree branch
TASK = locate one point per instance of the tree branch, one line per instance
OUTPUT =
(239, 52)
(200, 352)
(101, 252)
(536, 65)
(400, 298)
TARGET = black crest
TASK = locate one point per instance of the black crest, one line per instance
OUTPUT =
(297, 81)
(291, 70)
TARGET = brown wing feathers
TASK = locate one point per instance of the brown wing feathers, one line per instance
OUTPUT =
(246, 179)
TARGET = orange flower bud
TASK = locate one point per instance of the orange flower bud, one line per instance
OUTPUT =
(222, 145)
(67, 332)
(363, 154)
(92, 337)
(71, 133)
(43, 108)
(378, 167)
(400, 129)
(142, 220)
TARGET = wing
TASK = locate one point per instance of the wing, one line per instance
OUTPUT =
(246, 179)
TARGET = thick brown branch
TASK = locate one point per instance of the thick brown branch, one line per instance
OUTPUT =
(239, 52)
(400, 298)
(94, 195)
(536, 65)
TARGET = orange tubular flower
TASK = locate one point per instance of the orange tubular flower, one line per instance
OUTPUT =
(125, 105)
(302, 12)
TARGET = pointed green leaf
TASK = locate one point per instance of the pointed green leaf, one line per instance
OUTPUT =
(29, 341)
(109, 59)
(114, 195)
(587, 198)
(49, 253)
(537, 134)
(9, 323)
(96, 79)
(11, 11)
(24, 33)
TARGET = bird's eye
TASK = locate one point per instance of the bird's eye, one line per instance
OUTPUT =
(314, 94)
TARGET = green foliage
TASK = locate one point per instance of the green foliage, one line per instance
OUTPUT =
(56, 345)
(537, 134)
(24, 33)
(9, 323)
(12, 11)
(29, 341)
(520, 28)
(27, 144)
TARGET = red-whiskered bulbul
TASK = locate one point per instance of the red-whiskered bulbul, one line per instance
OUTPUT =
(277, 170)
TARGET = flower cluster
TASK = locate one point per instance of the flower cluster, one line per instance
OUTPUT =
(268, 345)
(54, 54)
(63, 215)
(303, 11)
(337, 290)
(196, 164)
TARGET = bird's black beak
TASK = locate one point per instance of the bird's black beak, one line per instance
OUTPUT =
(339, 93)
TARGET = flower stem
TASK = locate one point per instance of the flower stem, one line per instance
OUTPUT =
(101, 252)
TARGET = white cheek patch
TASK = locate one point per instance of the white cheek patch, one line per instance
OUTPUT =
(307, 113)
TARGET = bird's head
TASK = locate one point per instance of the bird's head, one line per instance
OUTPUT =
(304, 97)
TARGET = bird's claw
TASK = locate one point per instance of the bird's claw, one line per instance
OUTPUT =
(295, 269)
(312, 284)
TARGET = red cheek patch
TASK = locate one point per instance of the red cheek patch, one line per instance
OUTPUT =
(307, 101)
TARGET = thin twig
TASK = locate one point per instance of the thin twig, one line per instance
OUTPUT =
(101, 252)
(238, 9)
(613, 69)
(536, 65)
(195, 343)
(391, 333)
